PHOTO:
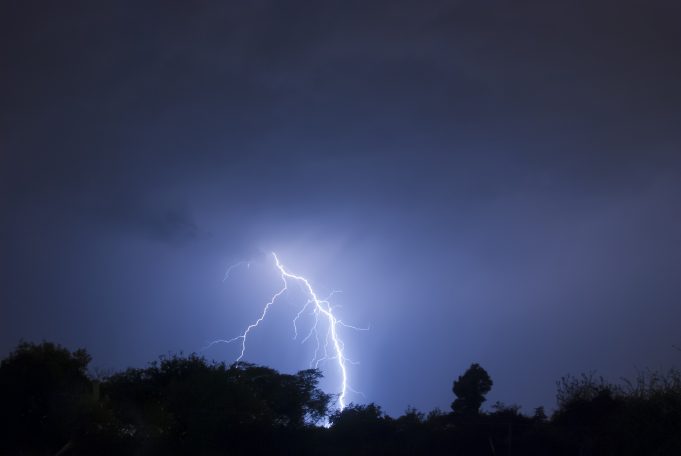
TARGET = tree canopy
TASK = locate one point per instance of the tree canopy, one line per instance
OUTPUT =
(470, 390)
(188, 405)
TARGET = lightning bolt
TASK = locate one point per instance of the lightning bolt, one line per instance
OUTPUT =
(333, 348)
(234, 266)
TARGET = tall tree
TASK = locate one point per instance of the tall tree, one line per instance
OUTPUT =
(470, 390)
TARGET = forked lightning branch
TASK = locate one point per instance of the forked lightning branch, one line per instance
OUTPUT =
(329, 345)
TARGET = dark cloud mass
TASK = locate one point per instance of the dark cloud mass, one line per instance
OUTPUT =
(487, 181)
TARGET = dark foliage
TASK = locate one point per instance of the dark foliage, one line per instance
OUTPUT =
(470, 390)
(45, 397)
(187, 405)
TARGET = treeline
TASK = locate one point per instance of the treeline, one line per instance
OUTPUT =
(49, 404)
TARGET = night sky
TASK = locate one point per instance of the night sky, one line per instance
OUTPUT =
(486, 181)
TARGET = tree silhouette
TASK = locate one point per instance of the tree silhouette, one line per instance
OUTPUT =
(188, 405)
(184, 404)
(470, 390)
(44, 392)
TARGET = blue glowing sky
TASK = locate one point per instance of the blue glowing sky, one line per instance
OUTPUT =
(489, 181)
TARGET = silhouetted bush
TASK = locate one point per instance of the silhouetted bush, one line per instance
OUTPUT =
(643, 417)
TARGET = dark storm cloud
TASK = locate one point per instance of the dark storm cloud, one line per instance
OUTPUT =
(207, 82)
(506, 166)
(165, 225)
